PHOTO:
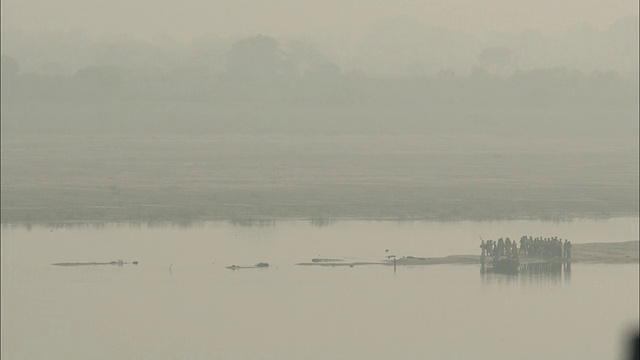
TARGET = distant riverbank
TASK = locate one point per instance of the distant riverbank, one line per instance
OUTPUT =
(247, 179)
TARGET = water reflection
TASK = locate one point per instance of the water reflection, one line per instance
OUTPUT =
(550, 268)
(567, 271)
(542, 272)
(322, 222)
(252, 222)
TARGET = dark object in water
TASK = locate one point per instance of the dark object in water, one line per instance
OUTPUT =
(316, 260)
(504, 266)
(258, 265)
(119, 263)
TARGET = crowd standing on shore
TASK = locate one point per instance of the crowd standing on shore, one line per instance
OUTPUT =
(538, 247)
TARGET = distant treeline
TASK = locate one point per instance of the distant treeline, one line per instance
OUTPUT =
(265, 87)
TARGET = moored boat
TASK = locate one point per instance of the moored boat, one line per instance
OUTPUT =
(505, 266)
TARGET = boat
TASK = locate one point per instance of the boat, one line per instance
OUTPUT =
(502, 266)
(506, 265)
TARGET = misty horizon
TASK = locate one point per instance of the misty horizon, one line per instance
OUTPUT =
(551, 100)
(283, 18)
(400, 47)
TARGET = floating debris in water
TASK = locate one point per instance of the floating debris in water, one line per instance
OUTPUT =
(258, 265)
(119, 263)
(325, 260)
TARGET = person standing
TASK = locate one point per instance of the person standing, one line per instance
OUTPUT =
(560, 248)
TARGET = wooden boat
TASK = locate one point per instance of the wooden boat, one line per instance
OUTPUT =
(506, 266)
(503, 266)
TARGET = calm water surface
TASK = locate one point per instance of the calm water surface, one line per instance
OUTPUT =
(201, 310)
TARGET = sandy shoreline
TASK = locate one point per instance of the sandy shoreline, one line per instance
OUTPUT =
(602, 253)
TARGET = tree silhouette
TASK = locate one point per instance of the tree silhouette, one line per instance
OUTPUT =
(496, 59)
(258, 59)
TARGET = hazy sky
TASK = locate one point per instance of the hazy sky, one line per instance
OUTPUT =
(190, 18)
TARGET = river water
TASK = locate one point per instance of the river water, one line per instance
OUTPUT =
(181, 302)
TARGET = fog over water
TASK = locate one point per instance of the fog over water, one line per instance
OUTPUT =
(192, 136)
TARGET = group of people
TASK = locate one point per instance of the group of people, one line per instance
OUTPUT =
(545, 247)
(500, 248)
(542, 247)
